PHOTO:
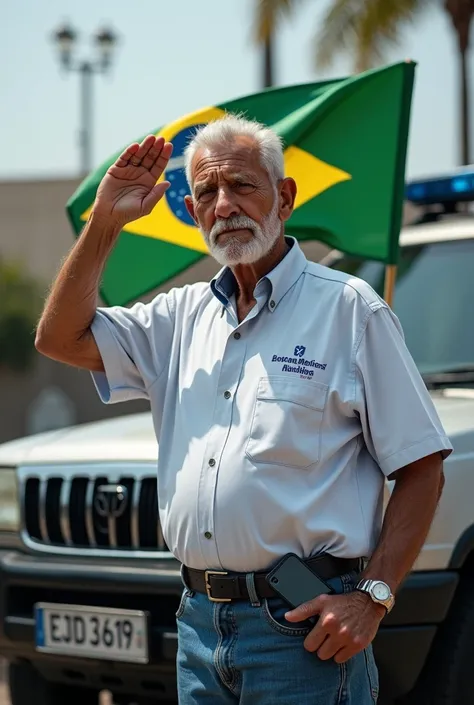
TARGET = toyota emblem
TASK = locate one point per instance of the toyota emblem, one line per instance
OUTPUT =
(111, 501)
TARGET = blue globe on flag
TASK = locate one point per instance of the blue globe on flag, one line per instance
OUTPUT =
(175, 174)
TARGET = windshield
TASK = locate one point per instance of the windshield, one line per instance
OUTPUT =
(434, 300)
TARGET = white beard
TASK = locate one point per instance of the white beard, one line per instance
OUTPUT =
(234, 251)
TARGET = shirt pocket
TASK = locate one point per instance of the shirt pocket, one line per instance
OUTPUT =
(286, 422)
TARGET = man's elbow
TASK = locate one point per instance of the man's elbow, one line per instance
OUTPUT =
(44, 344)
(81, 352)
(50, 346)
(41, 343)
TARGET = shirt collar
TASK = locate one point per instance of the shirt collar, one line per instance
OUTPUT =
(281, 278)
(223, 285)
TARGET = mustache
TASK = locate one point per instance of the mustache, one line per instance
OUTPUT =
(235, 222)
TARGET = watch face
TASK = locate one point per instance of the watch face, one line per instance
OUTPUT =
(381, 591)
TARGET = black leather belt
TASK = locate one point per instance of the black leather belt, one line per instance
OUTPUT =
(223, 586)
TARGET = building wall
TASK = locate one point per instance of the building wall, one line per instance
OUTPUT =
(34, 228)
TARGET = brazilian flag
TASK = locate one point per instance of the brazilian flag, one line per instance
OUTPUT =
(345, 145)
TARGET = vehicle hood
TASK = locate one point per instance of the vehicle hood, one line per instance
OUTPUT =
(124, 438)
(132, 437)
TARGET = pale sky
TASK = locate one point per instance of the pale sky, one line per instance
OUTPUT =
(175, 57)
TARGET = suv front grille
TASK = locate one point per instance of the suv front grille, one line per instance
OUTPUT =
(101, 509)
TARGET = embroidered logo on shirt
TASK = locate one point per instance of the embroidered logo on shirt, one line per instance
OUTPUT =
(298, 364)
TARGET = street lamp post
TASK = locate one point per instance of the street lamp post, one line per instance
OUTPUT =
(105, 40)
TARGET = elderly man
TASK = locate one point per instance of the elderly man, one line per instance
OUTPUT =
(283, 396)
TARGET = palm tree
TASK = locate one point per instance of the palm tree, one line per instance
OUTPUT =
(365, 28)
(462, 13)
(269, 12)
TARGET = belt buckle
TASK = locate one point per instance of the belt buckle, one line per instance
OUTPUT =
(207, 574)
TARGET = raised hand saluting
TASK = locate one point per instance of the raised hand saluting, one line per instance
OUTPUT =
(129, 190)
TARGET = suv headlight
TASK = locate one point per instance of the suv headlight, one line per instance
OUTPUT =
(9, 503)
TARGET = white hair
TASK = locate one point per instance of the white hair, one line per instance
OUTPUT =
(225, 130)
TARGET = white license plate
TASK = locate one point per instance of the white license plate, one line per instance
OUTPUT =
(92, 632)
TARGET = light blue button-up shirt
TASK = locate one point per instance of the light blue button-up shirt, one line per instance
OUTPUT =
(275, 434)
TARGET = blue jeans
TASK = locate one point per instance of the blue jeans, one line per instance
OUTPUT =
(247, 653)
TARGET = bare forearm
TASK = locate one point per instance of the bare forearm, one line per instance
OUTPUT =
(407, 521)
(72, 302)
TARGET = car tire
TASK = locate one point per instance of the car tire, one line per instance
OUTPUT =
(27, 687)
(447, 676)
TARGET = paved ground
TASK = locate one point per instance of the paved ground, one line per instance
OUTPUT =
(5, 700)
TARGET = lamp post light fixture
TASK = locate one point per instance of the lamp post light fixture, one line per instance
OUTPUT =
(105, 41)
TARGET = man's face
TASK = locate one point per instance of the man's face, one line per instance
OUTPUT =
(235, 204)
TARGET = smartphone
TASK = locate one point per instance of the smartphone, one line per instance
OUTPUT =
(295, 582)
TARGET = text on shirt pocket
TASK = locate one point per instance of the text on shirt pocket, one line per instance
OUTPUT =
(286, 422)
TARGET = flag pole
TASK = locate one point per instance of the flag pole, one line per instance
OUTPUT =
(399, 182)
(389, 284)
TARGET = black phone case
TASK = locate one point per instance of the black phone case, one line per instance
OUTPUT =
(295, 582)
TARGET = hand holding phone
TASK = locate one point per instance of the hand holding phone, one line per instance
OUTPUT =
(295, 582)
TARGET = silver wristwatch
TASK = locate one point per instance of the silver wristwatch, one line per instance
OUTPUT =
(379, 592)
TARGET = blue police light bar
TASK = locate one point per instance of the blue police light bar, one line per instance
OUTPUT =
(453, 188)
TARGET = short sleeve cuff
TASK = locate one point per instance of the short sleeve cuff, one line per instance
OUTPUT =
(428, 446)
(109, 385)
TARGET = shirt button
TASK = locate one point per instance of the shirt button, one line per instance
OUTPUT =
(227, 395)
(272, 304)
(212, 462)
(208, 535)
(237, 335)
